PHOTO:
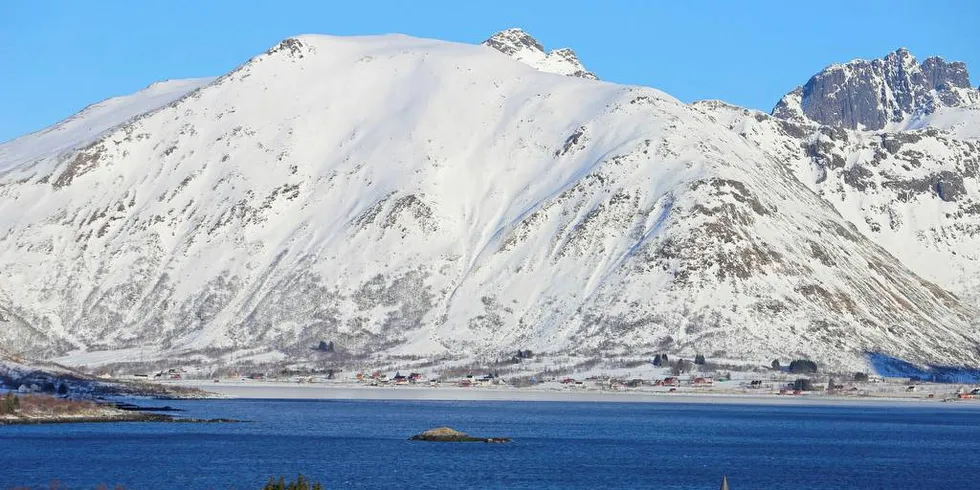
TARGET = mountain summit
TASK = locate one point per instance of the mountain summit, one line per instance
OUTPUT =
(877, 94)
(522, 47)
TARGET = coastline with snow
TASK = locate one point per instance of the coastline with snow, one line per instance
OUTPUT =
(251, 389)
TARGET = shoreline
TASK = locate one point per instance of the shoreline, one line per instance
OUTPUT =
(85, 420)
(292, 391)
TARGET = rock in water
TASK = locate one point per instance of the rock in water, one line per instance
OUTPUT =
(448, 434)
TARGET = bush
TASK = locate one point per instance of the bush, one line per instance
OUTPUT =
(301, 483)
(803, 366)
(10, 404)
(860, 377)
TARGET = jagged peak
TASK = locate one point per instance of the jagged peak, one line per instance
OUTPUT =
(510, 41)
(521, 46)
(878, 93)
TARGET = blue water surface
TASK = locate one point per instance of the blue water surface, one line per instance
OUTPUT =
(562, 445)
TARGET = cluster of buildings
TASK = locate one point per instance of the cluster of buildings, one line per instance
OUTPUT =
(378, 378)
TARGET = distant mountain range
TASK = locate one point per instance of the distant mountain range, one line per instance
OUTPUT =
(413, 197)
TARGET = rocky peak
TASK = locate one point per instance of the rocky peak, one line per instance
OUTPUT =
(873, 94)
(521, 46)
(512, 41)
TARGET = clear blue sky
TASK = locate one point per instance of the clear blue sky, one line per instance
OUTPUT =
(58, 56)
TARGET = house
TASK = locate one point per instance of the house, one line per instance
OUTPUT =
(568, 381)
(671, 381)
(400, 379)
(634, 383)
(702, 381)
(465, 383)
(414, 377)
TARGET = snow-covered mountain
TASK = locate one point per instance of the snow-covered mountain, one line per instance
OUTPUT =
(404, 196)
(914, 188)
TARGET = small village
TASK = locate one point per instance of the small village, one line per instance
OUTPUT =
(654, 382)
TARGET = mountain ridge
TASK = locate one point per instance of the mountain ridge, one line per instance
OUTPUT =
(881, 93)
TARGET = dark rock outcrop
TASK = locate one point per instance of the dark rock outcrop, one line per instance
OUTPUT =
(870, 94)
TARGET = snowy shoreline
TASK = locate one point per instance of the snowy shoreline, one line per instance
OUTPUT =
(344, 391)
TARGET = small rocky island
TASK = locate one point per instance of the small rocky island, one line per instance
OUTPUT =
(448, 434)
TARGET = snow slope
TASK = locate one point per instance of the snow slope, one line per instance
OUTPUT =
(93, 121)
(916, 192)
(403, 196)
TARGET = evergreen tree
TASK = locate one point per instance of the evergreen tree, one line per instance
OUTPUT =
(699, 359)
(775, 364)
(803, 366)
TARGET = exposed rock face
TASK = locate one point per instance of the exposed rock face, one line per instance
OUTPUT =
(873, 94)
(522, 47)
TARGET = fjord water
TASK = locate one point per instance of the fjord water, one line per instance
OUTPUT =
(364, 444)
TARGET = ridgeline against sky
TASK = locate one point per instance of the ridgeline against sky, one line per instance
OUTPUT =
(61, 56)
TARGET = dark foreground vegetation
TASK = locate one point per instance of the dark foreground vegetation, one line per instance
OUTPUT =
(300, 483)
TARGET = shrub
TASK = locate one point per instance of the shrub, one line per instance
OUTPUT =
(860, 377)
(10, 404)
(803, 366)
(301, 483)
